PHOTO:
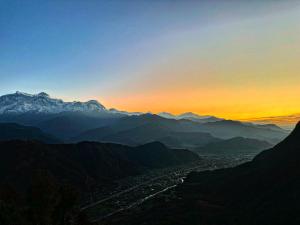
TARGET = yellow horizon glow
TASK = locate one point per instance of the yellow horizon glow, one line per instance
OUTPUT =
(240, 103)
(243, 71)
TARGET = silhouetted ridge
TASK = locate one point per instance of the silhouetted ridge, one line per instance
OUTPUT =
(13, 131)
(226, 122)
(294, 136)
(76, 163)
(288, 149)
(235, 146)
(154, 144)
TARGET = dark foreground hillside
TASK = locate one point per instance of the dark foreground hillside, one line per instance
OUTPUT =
(13, 131)
(43, 183)
(265, 191)
(85, 163)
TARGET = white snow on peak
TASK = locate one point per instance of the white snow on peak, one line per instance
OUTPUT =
(190, 116)
(20, 102)
(112, 110)
(167, 115)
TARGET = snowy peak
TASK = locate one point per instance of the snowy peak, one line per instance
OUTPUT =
(116, 111)
(43, 94)
(20, 102)
(190, 116)
(167, 115)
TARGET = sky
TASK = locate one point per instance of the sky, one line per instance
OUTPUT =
(234, 59)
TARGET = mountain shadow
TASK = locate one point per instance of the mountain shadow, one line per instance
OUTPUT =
(13, 131)
(238, 145)
(85, 164)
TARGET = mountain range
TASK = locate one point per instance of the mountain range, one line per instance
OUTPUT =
(91, 121)
(134, 130)
(20, 103)
(42, 103)
(190, 116)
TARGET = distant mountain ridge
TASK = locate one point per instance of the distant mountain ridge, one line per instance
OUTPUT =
(137, 130)
(41, 103)
(20, 103)
(235, 146)
(67, 120)
(190, 116)
(227, 129)
(134, 130)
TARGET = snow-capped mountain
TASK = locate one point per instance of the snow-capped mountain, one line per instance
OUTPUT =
(112, 110)
(190, 116)
(167, 115)
(42, 103)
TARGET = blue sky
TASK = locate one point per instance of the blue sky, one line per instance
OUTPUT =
(115, 50)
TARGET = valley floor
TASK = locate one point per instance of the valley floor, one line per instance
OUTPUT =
(108, 203)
